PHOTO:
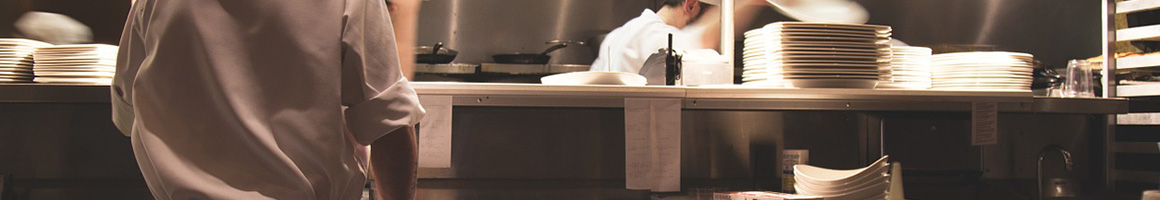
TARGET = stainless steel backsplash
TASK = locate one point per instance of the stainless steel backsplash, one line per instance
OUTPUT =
(1053, 30)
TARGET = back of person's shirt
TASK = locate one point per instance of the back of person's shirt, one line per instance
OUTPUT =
(258, 99)
(626, 48)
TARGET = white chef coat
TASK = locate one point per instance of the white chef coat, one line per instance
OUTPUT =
(626, 48)
(258, 99)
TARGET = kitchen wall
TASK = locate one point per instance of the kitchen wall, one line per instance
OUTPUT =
(1053, 30)
(481, 28)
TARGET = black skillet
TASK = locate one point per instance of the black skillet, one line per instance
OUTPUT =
(528, 58)
(435, 54)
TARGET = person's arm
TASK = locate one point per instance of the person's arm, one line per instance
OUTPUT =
(394, 161)
(129, 59)
(743, 14)
(382, 107)
(405, 18)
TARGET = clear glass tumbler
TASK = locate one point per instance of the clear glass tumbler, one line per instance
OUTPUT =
(1078, 80)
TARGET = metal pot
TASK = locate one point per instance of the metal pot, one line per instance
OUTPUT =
(434, 54)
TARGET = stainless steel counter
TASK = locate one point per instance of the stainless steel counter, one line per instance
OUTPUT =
(696, 98)
(513, 138)
(743, 98)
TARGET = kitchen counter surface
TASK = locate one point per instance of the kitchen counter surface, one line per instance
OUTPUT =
(701, 98)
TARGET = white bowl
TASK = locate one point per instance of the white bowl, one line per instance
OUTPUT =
(837, 177)
(852, 185)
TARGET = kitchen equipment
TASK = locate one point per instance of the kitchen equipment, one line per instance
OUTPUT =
(437, 54)
(527, 58)
(595, 78)
(1067, 165)
(789, 158)
(705, 67)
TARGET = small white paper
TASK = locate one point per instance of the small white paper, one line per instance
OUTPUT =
(984, 123)
(652, 148)
(435, 132)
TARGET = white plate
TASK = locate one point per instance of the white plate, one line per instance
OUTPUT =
(74, 74)
(782, 29)
(831, 83)
(989, 53)
(833, 77)
(15, 80)
(801, 52)
(826, 25)
(851, 44)
(827, 39)
(827, 34)
(10, 73)
(74, 80)
(24, 41)
(595, 78)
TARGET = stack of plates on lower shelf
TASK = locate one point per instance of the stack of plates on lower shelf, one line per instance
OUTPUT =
(909, 68)
(986, 71)
(77, 63)
(871, 182)
(16, 59)
(816, 55)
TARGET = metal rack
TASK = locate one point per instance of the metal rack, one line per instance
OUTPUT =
(1140, 118)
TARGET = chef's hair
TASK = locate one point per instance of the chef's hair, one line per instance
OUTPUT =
(673, 2)
(679, 2)
(667, 3)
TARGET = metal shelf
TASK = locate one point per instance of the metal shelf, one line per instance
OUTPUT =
(1142, 90)
(1137, 62)
(1137, 176)
(1136, 6)
(1138, 147)
(1150, 32)
(1138, 119)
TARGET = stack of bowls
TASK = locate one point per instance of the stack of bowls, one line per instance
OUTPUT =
(871, 182)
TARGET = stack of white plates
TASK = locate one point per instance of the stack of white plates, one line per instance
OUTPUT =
(909, 68)
(16, 59)
(816, 55)
(871, 182)
(988, 71)
(76, 63)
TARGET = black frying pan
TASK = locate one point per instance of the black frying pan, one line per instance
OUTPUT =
(527, 58)
(435, 56)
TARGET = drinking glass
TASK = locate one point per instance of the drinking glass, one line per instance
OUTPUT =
(1078, 80)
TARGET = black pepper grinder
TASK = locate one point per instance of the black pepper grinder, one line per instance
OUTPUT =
(672, 64)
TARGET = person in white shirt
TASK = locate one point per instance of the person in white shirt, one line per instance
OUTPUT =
(265, 99)
(626, 48)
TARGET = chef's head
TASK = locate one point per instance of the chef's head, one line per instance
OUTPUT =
(687, 11)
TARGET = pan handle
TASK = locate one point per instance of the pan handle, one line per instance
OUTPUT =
(554, 48)
(435, 49)
(565, 42)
